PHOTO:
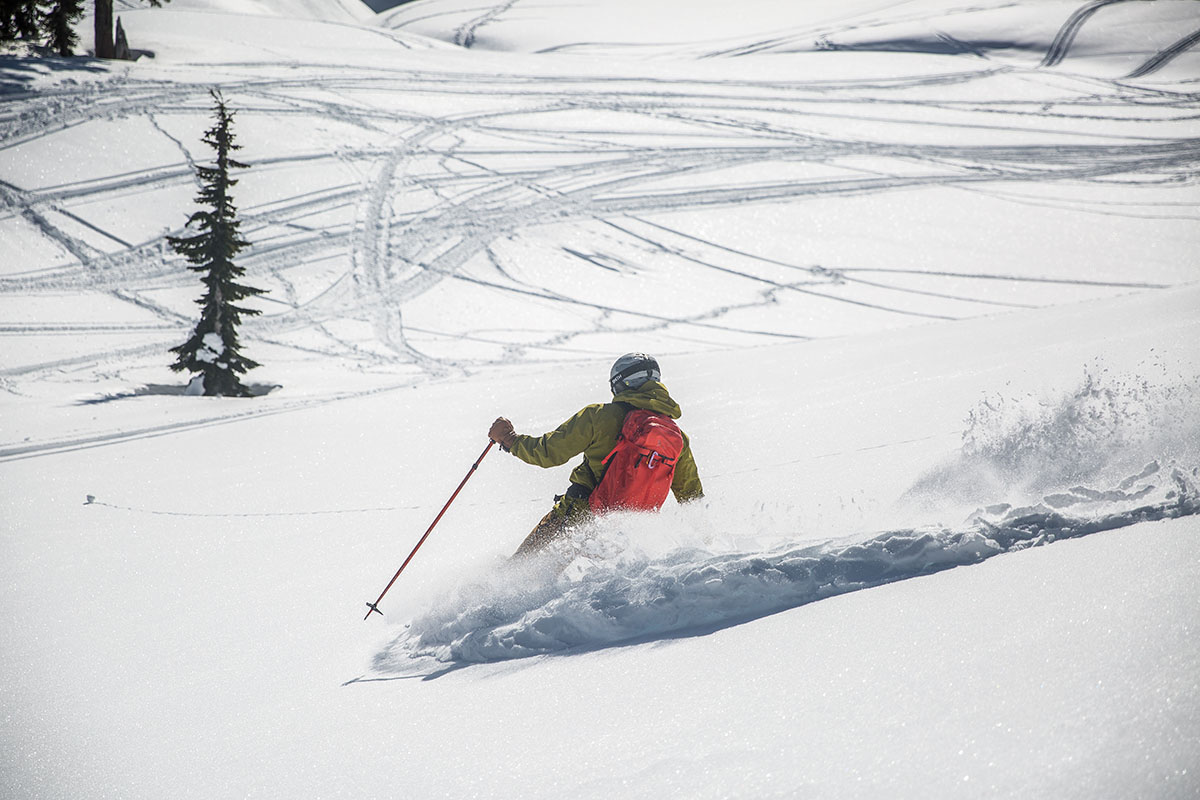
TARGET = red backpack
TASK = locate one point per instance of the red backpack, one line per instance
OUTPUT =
(641, 466)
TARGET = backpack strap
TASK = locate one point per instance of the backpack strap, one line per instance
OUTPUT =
(627, 407)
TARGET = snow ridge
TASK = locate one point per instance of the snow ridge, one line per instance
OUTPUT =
(602, 599)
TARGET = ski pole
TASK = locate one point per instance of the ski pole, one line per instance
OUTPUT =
(373, 608)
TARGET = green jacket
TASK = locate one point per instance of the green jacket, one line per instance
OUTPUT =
(593, 432)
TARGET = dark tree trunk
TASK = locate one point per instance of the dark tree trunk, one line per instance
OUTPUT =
(104, 29)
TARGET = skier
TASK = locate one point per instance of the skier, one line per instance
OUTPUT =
(596, 431)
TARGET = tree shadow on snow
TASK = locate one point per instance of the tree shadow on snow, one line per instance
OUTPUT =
(170, 390)
(940, 45)
(17, 72)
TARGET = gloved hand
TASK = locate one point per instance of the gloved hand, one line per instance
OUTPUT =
(502, 433)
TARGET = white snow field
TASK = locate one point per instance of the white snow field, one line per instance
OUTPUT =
(923, 276)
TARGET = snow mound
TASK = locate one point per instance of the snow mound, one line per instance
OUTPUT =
(615, 592)
(324, 10)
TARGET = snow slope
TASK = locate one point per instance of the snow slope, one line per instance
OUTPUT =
(1095, 36)
(921, 276)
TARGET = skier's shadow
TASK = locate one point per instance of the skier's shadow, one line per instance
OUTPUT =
(429, 676)
(442, 669)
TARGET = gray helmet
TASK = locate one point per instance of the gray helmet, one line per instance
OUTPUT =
(631, 371)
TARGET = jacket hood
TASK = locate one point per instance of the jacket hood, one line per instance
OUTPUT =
(652, 396)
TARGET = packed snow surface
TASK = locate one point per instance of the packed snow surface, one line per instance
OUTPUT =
(921, 274)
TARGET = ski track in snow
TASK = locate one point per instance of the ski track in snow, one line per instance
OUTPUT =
(1061, 46)
(627, 597)
(464, 36)
(439, 192)
(395, 257)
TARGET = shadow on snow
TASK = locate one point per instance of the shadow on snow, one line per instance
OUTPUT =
(17, 73)
(169, 390)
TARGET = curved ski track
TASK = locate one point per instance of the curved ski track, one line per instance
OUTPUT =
(1066, 35)
(474, 195)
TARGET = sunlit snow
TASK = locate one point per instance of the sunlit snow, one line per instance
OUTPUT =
(922, 276)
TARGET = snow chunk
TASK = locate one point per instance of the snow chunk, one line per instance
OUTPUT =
(212, 349)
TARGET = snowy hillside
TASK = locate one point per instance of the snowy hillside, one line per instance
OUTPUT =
(922, 276)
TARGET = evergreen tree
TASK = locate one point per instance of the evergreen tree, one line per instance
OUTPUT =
(213, 350)
(25, 19)
(59, 21)
(19, 19)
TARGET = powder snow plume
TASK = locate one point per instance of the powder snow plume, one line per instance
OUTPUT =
(1111, 427)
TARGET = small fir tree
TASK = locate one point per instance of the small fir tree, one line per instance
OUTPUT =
(59, 22)
(212, 351)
